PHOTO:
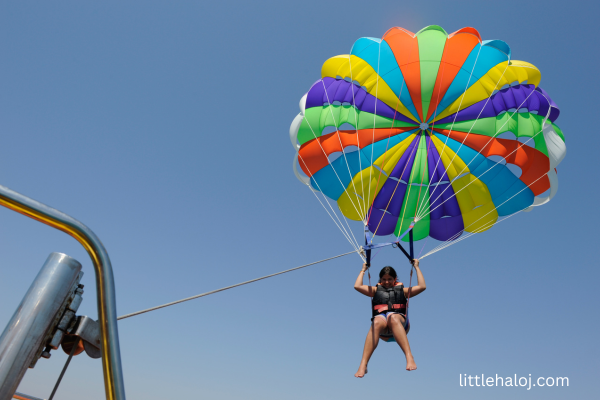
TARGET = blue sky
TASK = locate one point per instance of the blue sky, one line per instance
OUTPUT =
(163, 126)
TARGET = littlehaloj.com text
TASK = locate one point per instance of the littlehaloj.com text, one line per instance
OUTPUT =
(519, 381)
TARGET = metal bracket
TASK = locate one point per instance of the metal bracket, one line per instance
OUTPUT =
(89, 331)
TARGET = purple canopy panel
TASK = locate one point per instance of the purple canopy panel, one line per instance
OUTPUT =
(346, 92)
(445, 228)
(314, 96)
(390, 197)
(381, 223)
(514, 97)
(555, 111)
(521, 96)
(437, 172)
(403, 169)
(378, 107)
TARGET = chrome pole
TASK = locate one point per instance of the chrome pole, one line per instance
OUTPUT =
(105, 286)
(23, 338)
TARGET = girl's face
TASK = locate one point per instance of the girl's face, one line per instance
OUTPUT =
(387, 281)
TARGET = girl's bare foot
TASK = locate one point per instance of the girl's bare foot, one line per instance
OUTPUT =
(362, 371)
(410, 364)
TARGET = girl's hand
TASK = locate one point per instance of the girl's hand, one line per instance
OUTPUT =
(415, 263)
(365, 267)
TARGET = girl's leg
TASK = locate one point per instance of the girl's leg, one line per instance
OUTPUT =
(396, 322)
(371, 342)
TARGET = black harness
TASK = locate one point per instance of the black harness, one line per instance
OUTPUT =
(393, 298)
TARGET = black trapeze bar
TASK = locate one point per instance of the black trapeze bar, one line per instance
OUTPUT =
(411, 255)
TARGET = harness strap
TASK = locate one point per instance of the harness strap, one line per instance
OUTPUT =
(384, 307)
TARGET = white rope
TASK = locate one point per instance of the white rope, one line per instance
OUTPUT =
(488, 142)
(454, 120)
(395, 188)
(341, 227)
(364, 202)
(229, 287)
(485, 227)
(334, 171)
(341, 144)
(485, 172)
(374, 126)
(465, 138)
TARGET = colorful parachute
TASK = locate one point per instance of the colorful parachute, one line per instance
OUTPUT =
(442, 130)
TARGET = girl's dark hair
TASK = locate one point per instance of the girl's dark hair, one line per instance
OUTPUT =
(388, 271)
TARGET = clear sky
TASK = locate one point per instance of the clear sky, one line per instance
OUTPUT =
(163, 126)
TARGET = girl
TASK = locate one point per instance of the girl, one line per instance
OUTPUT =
(389, 310)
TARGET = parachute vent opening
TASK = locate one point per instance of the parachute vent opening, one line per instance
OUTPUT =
(328, 129)
(527, 141)
(379, 169)
(497, 159)
(334, 156)
(507, 135)
(461, 176)
(440, 183)
(347, 127)
(350, 149)
(515, 169)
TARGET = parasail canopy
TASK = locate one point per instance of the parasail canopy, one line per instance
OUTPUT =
(442, 130)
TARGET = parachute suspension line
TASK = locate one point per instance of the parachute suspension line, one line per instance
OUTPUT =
(362, 212)
(486, 171)
(451, 243)
(230, 287)
(425, 164)
(462, 97)
(488, 142)
(334, 171)
(370, 209)
(382, 165)
(395, 111)
(486, 226)
(469, 132)
(422, 248)
(462, 143)
(362, 185)
(394, 192)
(374, 124)
(349, 236)
(341, 228)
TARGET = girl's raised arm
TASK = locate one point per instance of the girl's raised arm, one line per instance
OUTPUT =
(364, 289)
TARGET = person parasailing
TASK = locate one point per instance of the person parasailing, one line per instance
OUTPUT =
(390, 301)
